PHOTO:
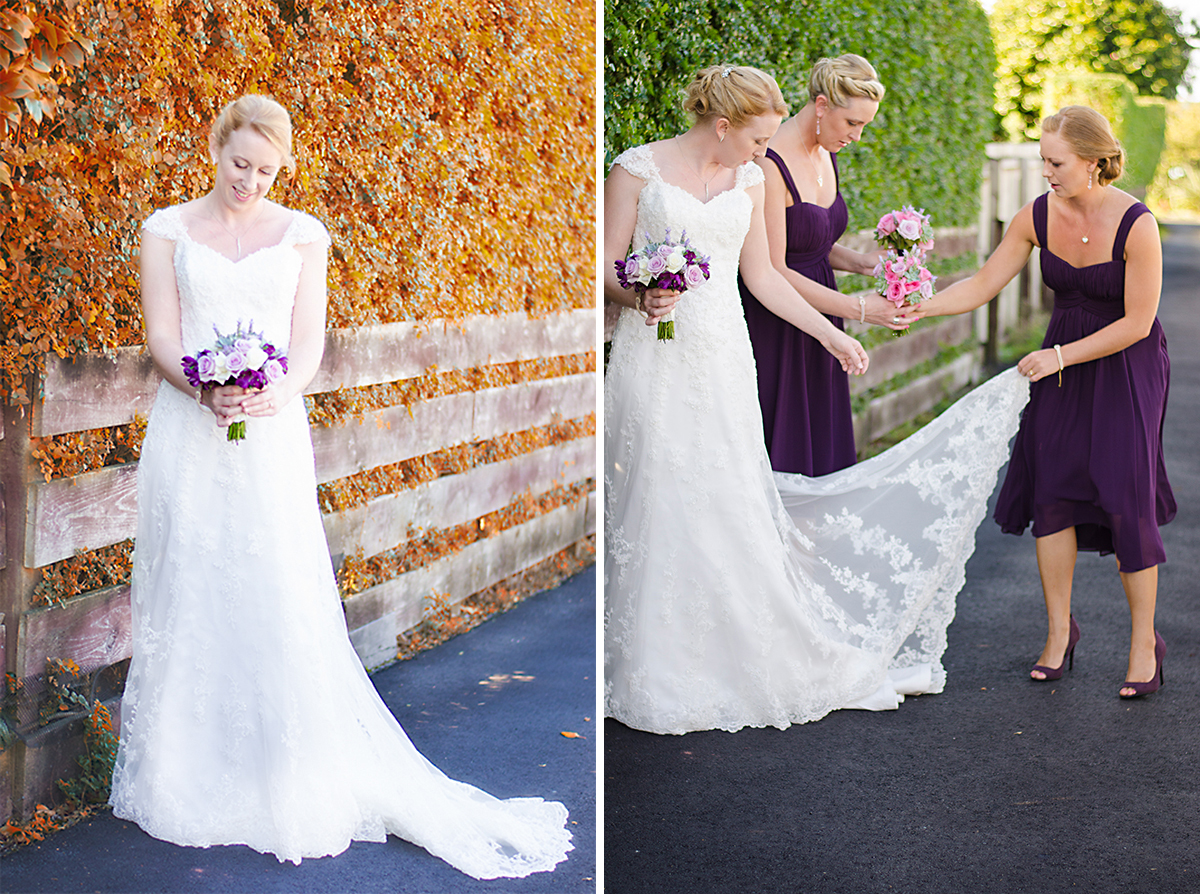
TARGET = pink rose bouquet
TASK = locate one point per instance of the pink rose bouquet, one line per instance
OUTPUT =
(244, 359)
(902, 278)
(905, 230)
(664, 265)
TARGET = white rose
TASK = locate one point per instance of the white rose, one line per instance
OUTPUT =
(909, 229)
(221, 370)
(255, 358)
(676, 260)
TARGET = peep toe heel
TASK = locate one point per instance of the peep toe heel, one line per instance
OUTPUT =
(1055, 673)
(1155, 682)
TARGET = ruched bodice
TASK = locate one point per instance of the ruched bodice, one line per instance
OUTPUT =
(803, 393)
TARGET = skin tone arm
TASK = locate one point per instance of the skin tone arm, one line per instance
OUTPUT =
(1143, 286)
(621, 190)
(777, 294)
(878, 310)
(307, 342)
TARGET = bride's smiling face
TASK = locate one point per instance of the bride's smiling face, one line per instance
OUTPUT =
(246, 168)
(748, 142)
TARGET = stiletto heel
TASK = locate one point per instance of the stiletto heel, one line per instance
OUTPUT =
(1054, 673)
(1153, 684)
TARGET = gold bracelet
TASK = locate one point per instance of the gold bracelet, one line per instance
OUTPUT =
(1058, 353)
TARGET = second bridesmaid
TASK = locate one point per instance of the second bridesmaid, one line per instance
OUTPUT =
(803, 392)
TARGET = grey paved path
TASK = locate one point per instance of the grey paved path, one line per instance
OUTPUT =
(464, 710)
(996, 785)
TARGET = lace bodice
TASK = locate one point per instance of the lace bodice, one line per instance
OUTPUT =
(716, 228)
(215, 291)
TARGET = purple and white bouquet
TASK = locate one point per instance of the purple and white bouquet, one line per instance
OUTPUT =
(905, 230)
(244, 359)
(664, 265)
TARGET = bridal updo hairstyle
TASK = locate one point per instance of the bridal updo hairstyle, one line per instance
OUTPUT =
(1089, 135)
(264, 116)
(734, 92)
(844, 78)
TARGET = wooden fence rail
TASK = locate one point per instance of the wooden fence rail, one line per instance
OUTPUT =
(43, 522)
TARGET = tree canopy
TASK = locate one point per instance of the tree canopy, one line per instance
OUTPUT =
(1141, 39)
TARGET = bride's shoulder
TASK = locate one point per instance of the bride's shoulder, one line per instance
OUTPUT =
(304, 229)
(639, 161)
(167, 223)
(749, 175)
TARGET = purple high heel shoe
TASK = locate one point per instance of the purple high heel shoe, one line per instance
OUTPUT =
(1054, 673)
(1153, 684)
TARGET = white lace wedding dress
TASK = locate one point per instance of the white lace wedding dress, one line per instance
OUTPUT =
(735, 596)
(247, 717)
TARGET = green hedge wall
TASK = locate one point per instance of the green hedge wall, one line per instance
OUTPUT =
(935, 58)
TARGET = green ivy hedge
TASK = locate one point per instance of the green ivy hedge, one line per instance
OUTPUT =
(935, 58)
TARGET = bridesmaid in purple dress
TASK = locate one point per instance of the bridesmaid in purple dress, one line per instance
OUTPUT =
(803, 392)
(1087, 465)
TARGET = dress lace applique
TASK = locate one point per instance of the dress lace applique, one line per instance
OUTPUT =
(736, 597)
(247, 717)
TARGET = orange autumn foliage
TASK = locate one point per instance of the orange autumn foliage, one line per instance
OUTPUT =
(448, 147)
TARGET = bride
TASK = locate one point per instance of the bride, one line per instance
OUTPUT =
(737, 597)
(247, 717)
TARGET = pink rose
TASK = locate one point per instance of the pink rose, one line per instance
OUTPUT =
(632, 265)
(656, 265)
(895, 293)
(206, 366)
(273, 370)
(887, 224)
(927, 290)
(910, 229)
(693, 276)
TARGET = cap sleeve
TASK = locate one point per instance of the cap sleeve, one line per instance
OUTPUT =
(166, 223)
(306, 229)
(749, 175)
(638, 161)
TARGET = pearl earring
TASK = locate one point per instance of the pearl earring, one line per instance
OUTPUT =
(818, 125)
(1089, 179)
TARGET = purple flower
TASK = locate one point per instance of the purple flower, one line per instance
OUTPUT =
(274, 369)
(656, 265)
(206, 366)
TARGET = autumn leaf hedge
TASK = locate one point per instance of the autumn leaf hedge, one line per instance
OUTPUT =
(448, 147)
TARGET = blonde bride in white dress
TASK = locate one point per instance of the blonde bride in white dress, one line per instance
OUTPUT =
(735, 596)
(247, 717)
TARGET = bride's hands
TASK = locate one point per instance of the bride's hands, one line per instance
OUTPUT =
(848, 351)
(225, 402)
(657, 303)
(263, 402)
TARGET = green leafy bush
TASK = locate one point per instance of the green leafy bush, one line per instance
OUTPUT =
(935, 58)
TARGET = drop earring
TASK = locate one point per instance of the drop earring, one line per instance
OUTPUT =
(818, 125)
(1089, 179)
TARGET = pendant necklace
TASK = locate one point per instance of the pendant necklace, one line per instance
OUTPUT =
(693, 167)
(237, 240)
(1098, 210)
(820, 179)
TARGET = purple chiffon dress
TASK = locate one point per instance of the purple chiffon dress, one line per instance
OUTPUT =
(1089, 454)
(802, 390)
